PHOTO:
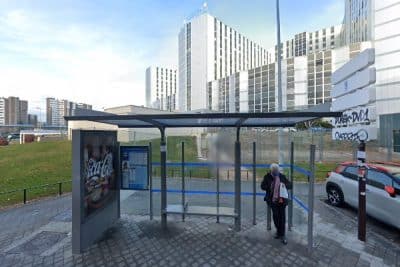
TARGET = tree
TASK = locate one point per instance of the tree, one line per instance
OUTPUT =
(318, 123)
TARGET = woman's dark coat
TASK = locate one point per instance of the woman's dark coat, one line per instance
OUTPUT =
(266, 186)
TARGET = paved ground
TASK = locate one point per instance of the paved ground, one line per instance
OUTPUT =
(38, 234)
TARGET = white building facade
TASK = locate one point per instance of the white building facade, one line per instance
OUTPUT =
(210, 50)
(386, 34)
(3, 108)
(161, 88)
(13, 111)
(57, 109)
(378, 21)
(306, 81)
(307, 66)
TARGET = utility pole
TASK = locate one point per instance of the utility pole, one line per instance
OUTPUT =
(279, 58)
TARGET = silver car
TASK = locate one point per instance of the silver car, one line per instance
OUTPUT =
(382, 192)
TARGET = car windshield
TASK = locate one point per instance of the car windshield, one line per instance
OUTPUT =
(396, 179)
(396, 174)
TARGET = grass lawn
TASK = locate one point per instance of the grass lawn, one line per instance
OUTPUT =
(30, 165)
(33, 164)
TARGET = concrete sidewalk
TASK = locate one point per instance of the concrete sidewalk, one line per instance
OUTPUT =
(39, 234)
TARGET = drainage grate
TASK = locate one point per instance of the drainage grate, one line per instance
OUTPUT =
(39, 243)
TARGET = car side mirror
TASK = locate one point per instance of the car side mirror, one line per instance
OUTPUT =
(390, 190)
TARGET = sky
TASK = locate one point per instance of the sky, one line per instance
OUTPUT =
(97, 51)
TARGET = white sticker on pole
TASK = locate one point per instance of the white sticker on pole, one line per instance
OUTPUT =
(361, 155)
(163, 148)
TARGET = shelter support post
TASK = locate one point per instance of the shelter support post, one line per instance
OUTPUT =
(218, 189)
(321, 146)
(163, 159)
(237, 181)
(269, 215)
(310, 232)
(151, 181)
(254, 183)
(290, 211)
(183, 181)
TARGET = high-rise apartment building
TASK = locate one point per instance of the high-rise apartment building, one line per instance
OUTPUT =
(3, 108)
(307, 66)
(161, 88)
(210, 50)
(306, 81)
(13, 111)
(57, 109)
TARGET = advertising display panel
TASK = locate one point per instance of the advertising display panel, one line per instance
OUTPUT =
(100, 154)
(134, 167)
(95, 186)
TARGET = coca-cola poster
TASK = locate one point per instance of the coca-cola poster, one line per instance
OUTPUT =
(100, 152)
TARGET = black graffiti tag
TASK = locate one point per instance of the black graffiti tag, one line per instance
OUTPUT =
(353, 117)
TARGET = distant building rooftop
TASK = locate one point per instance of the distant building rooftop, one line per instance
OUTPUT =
(132, 110)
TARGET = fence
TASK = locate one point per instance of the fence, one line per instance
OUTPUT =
(24, 195)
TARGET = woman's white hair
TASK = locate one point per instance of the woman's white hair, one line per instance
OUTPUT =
(274, 166)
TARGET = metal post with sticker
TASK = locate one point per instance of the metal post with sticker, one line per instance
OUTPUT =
(361, 156)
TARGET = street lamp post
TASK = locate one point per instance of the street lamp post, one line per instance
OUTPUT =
(39, 117)
(279, 58)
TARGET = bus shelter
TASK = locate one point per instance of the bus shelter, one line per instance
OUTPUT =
(202, 120)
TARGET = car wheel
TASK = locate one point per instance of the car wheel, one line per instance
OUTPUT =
(335, 196)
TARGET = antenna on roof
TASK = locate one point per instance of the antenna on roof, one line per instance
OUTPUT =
(198, 12)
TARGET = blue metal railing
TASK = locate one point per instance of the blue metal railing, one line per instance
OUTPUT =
(245, 165)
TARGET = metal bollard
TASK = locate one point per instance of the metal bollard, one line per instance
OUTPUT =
(25, 196)
(60, 189)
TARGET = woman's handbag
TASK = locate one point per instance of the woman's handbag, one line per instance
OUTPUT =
(283, 193)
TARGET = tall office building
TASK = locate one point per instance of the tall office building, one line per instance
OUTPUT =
(358, 21)
(210, 50)
(306, 81)
(305, 43)
(57, 109)
(13, 111)
(161, 88)
(307, 66)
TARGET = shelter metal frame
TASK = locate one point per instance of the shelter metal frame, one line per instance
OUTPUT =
(202, 120)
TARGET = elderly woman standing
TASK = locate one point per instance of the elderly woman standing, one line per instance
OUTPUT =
(271, 184)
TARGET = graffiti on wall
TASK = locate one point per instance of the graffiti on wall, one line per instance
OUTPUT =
(355, 116)
(357, 133)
